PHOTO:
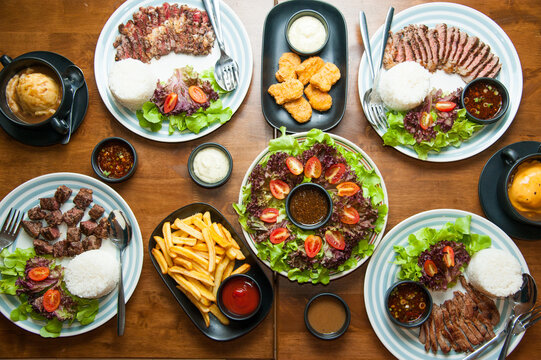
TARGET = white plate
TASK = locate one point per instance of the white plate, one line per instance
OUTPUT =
(237, 45)
(375, 238)
(26, 196)
(474, 23)
(381, 273)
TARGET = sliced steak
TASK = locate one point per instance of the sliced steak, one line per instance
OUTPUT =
(425, 44)
(480, 57)
(73, 216)
(432, 36)
(489, 67)
(60, 249)
(102, 230)
(73, 234)
(390, 52)
(62, 194)
(83, 198)
(42, 247)
(32, 228)
(433, 336)
(91, 243)
(410, 39)
(75, 248)
(96, 212)
(442, 335)
(50, 233)
(88, 227)
(495, 71)
(408, 50)
(449, 44)
(473, 334)
(49, 204)
(475, 72)
(459, 338)
(422, 333)
(54, 218)
(441, 30)
(471, 44)
(36, 213)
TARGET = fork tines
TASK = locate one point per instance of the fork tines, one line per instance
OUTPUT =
(531, 317)
(12, 224)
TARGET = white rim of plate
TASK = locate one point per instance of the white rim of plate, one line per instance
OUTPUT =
(237, 44)
(381, 274)
(473, 22)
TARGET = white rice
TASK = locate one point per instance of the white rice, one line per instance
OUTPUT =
(495, 272)
(92, 274)
(132, 83)
(404, 86)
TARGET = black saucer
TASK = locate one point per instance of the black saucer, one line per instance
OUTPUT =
(488, 183)
(45, 135)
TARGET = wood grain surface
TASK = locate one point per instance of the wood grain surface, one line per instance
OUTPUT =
(156, 327)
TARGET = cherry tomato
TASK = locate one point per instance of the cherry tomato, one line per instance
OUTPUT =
(170, 102)
(269, 215)
(312, 245)
(445, 106)
(279, 189)
(294, 165)
(39, 273)
(197, 94)
(335, 173)
(449, 256)
(335, 239)
(312, 168)
(347, 189)
(279, 235)
(426, 120)
(51, 300)
(430, 268)
(349, 216)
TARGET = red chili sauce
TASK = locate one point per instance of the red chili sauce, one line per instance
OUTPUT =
(240, 296)
(308, 206)
(407, 302)
(483, 100)
(115, 160)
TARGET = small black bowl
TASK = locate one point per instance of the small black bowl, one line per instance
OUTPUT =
(201, 182)
(505, 100)
(427, 310)
(312, 13)
(103, 143)
(327, 197)
(224, 308)
(333, 335)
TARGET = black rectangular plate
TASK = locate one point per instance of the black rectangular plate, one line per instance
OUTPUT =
(216, 330)
(275, 44)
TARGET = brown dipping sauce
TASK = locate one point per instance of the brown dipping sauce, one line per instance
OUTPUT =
(483, 100)
(326, 314)
(308, 206)
(407, 302)
(115, 160)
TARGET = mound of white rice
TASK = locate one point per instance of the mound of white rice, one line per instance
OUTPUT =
(404, 86)
(92, 274)
(132, 83)
(495, 272)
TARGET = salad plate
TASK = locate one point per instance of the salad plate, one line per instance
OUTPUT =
(237, 45)
(381, 273)
(27, 195)
(474, 23)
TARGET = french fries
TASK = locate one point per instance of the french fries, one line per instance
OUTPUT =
(199, 254)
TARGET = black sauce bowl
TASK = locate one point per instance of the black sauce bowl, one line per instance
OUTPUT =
(96, 166)
(309, 226)
(505, 100)
(333, 335)
(224, 308)
(314, 14)
(191, 171)
(426, 314)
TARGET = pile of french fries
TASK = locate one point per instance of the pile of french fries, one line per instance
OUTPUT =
(199, 254)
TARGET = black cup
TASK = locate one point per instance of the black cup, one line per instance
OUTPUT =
(505, 100)
(11, 68)
(319, 188)
(332, 335)
(427, 311)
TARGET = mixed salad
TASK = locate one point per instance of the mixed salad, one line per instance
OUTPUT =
(358, 207)
(435, 124)
(38, 283)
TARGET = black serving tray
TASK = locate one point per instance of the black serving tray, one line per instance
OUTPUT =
(275, 44)
(216, 330)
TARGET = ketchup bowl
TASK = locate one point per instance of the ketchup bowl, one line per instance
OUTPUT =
(239, 297)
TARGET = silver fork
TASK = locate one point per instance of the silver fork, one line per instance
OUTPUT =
(226, 70)
(521, 323)
(11, 228)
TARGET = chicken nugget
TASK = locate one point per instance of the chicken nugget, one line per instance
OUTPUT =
(286, 91)
(286, 66)
(326, 77)
(309, 67)
(300, 109)
(319, 100)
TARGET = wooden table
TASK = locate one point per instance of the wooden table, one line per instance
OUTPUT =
(156, 327)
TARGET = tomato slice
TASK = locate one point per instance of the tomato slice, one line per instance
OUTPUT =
(269, 215)
(312, 245)
(430, 268)
(312, 169)
(347, 189)
(294, 165)
(445, 106)
(335, 173)
(279, 189)
(279, 235)
(197, 94)
(51, 300)
(426, 120)
(449, 256)
(170, 102)
(39, 273)
(349, 216)
(335, 239)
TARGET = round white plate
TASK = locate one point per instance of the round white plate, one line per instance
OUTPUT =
(237, 45)
(472, 22)
(26, 196)
(381, 273)
(375, 238)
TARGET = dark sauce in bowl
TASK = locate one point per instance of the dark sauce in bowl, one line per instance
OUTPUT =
(408, 303)
(115, 160)
(308, 206)
(483, 100)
